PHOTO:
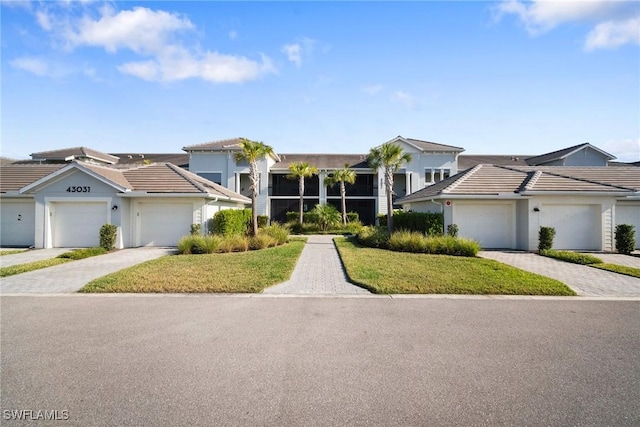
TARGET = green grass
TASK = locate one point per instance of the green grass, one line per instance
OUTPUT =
(12, 251)
(621, 269)
(387, 272)
(222, 272)
(31, 266)
(77, 254)
(570, 256)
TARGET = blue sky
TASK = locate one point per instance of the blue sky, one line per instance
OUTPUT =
(321, 77)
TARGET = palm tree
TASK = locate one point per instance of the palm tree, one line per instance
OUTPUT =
(300, 171)
(341, 177)
(389, 157)
(252, 151)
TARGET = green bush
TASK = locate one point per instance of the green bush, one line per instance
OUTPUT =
(197, 244)
(234, 243)
(354, 227)
(625, 239)
(229, 222)
(326, 216)
(195, 229)
(83, 253)
(262, 241)
(108, 234)
(382, 220)
(353, 217)
(263, 221)
(452, 230)
(545, 238)
(407, 241)
(423, 222)
(570, 256)
(278, 232)
(374, 237)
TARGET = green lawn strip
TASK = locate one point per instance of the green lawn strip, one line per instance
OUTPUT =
(83, 253)
(12, 251)
(388, 272)
(572, 257)
(222, 272)
(31, 266)
(621, 269)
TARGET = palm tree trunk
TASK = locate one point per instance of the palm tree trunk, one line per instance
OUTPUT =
(389, 184)
(301, 205)
(343, 195)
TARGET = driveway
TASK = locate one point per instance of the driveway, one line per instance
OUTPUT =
(30, 256)
(585, 281)
(72, 276)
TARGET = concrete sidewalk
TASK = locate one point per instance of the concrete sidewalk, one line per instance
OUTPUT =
(585, 281)
(72, 276)
(31, 255)
(318, 271)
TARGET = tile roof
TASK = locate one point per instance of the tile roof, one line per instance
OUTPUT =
(232, 144)
(14, 177)
(110, 174)
(561, 154)
(128, 159)
(484, 180)
(432, 146)
(66, 154)
(324, 161)
(467, 161)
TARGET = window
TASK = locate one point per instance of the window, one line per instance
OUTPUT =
(212, 176)
(436, 175)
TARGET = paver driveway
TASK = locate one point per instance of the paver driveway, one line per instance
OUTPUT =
(72, 276)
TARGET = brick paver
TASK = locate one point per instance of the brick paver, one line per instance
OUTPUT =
(626, 260)
(30, 256)
(585, 281)
(318, 271)
(72, 276)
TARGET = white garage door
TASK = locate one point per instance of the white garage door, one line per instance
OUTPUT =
(629, 215)
(577, 226)
(77, 224)
(163, 224)
(18, 224)
(492, 225)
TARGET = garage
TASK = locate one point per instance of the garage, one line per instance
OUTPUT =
(163, 224)
(77, 224)
(577, 227)
(490, 224)
(18, 223)
(629, 214)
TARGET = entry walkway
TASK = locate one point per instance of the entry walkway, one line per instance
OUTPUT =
(318, 271)
(585, 281)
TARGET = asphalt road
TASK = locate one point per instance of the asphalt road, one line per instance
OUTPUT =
(215, 360)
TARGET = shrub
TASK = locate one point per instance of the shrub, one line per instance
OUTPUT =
(278, 232)
(262, 241)
(374, 237)
(108, 236)
(231, 222)
(353, 217)
(452, 230)
(625, 239)
(83, 253)
(292, 216)
(326, 216)
(196, 244)
(234, 243)
(570, 256)
(263, 221)
(423, 222)
(195, 229)
(545, 238)
(354, 227)
(407, 241)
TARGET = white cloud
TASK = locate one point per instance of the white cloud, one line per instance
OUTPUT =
(406, 99)
(33, 65)
(296, 51)
(612, 34)
(614, 20)
(155, 36)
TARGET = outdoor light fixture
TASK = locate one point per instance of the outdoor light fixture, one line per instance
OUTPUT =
(114, 208)
(536, 209)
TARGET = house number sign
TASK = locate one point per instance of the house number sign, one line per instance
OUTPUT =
(78, 189)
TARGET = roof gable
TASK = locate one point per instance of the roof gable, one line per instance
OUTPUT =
(109, 176)
(425, 146)
(562, 154)
(75, 153)
(15, 177)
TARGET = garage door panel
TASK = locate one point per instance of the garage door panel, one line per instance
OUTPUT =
(628, 214)
(18, 224)
(77, 224)
(577, 227)
(163, 224)
(489, 224)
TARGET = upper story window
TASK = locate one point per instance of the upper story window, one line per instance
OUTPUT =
(434, 175)
(362, 187)
(212, 176)
(283, 186)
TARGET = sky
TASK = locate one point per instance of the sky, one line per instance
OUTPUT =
(502, 77)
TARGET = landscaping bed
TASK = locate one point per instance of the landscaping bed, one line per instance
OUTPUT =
(73, 255)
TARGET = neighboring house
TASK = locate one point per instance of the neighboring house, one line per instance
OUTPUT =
(431, 162)
(65, 205)
(504, 206)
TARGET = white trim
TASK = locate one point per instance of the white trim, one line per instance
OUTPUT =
(65, 171)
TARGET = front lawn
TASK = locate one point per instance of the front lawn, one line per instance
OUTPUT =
(12, 251)
(387, 272)
(72, 255)
(620, 269)
(221, 272)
